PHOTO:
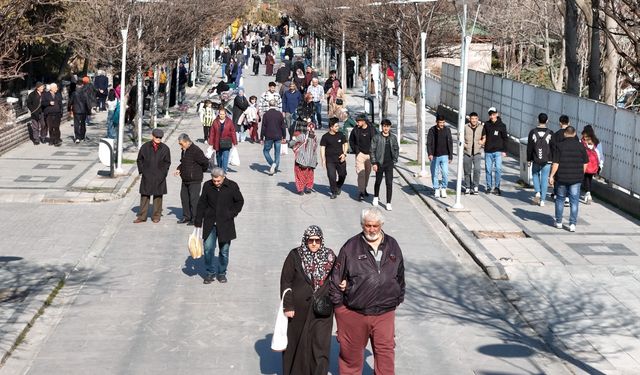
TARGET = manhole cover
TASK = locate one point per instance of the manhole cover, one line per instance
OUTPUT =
(499, 234)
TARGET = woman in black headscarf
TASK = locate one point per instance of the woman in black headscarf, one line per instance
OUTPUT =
(306, 271)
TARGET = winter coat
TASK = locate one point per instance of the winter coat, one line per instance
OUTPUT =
(56, 108)
(229, 132)
(80, 102)
(154, 167)
(472, 140)
(377, 149)
(193, 164)
(497, 136)
(240, 104)
(34, 104)
(371, 289)
(101, 82)
(219, 207)
(432, 139)
(306, 110)
(282, 75)
(571, 156)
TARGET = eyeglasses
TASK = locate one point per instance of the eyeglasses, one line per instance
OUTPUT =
(314, 240)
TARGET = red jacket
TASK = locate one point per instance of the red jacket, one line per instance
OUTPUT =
(228, 132)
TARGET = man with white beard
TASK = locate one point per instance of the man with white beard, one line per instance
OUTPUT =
(367, 284)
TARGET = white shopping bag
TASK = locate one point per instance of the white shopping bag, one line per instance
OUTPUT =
(209, 152)
(195, 243)
(234, 157)
(284, 149)
(279, 341)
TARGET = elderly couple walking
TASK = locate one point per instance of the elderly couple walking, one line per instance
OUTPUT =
(362, 286)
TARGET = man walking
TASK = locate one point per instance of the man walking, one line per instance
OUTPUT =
(495, 148)
(154, 159)
(333, 152)
(567, 172)
(272, 134)
(473, 143)
(367, 285)
(52, 111)
(101, 84)
(290, 102)
(34, 104)
(440, 151)
(81, 107)
(384, 156)
(360, 142)
(268, 96)
(317, 93)
(221, 201)
(539, 157)
(192, 165)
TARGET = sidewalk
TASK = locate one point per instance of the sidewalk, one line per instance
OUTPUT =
(579, 291)
(72, 173)
(39, 254)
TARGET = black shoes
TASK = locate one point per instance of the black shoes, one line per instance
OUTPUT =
(339, 191)
(222, 278)
(497, 191)
(209, 279)
(333, 196)
(366, 194)
(183, 221)
(361, 197)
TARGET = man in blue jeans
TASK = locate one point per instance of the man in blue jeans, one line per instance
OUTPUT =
(317, 93)
(220, 202)
(539, 158)
(440, 151)
(495, 147)
(272, 134)
(567, 172)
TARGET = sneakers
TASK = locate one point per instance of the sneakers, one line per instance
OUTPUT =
(572, 228)
(272, 169)
(443, 193)
(209, 279)
(559, 225)
(77, 141)
(333, 196)
(389, 207)
(375, 202)
(497, 191)
(339, 191)
(437, 193)
(541, 203)
(467, 191)
(475, 190)
(221, 278)
(487, 190)
(587, 198)
(566, 202)
(536, 199)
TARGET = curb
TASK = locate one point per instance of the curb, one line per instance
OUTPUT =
(472, 246)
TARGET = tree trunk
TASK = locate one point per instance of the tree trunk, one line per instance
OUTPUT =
(65, 60)
(167, 90)
(85, 67)
(156, 85)
(610, 66)
(571, 52)
(595, 79)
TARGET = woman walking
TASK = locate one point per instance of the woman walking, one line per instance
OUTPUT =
(269, 61)
(240, 104)
(305, 271)
(336, 99)
(305, 149)
(596, 160)
(222, 137)
(306, 112)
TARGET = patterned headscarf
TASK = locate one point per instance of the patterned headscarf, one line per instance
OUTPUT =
(316, 265)
(334, 89)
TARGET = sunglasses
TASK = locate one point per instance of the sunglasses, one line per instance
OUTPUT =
(314, 240)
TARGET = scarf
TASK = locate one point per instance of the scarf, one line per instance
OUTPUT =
(334, 90)
(316, 265)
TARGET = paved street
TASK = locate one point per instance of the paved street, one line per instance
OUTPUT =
(137, 303)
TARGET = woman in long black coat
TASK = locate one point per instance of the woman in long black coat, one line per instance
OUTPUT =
(306, 272)
(240, 104)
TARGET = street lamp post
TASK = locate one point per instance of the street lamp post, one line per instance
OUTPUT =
(343, 64)
(423, 109)
(140, 97)
(462, 106)
(125, 33)
(399, 92)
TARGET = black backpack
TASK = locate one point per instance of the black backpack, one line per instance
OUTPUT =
(542, 149)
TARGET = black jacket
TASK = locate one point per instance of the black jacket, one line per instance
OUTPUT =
(282, 75)
(56, 108)
(497, 136)
(377, 149)
(432, 141)
(240, 104)
(355, 139)
(80, 102)
(571, 157)
(34, 104)
(273, 126)
(219, 207)
(531, 145)
(154, 167)
(192, 164)
(306, 110)
(371, 290)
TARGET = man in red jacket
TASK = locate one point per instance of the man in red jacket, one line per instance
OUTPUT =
(367, 284)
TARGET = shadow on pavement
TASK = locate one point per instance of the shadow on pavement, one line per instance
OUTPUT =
(443, 291)
(175, 211)
(290, 186)
(526, 215)
(270, 361)
(193, 267)
(262, 168)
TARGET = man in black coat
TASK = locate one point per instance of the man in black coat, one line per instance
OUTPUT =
(154, 159)
(192, 165)
(37, 128)
(81, 108)
(101, 84)
(52, 109)
(221, 201)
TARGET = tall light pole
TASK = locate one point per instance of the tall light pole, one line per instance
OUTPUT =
(139, 98)
(343, 64)
(399, 92)
(462, 96)
(125, 33)
(423, 109)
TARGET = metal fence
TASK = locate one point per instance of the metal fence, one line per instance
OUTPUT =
(519, 105)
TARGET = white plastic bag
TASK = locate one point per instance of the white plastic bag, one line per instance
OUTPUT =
(195, 243)
(284, 149)
(209, 152)
(279, 341)
(234, 157)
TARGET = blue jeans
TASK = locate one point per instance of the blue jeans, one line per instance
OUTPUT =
(222, 158)
(210, 251)
(223, 70)
(573, 190)
(540, 178)
(440, 163)
(318, 114)
(266, 149)
(493, 161)
(111, 129)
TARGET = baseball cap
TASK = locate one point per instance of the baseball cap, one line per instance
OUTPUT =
(492, 110)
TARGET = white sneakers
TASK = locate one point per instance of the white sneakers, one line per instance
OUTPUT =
(559, 225)
(541, 203)
(536, 199)
(443, 193)
(389, 207)
(375, 202)
(587, 198)
(272, 169)
(572, 228)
